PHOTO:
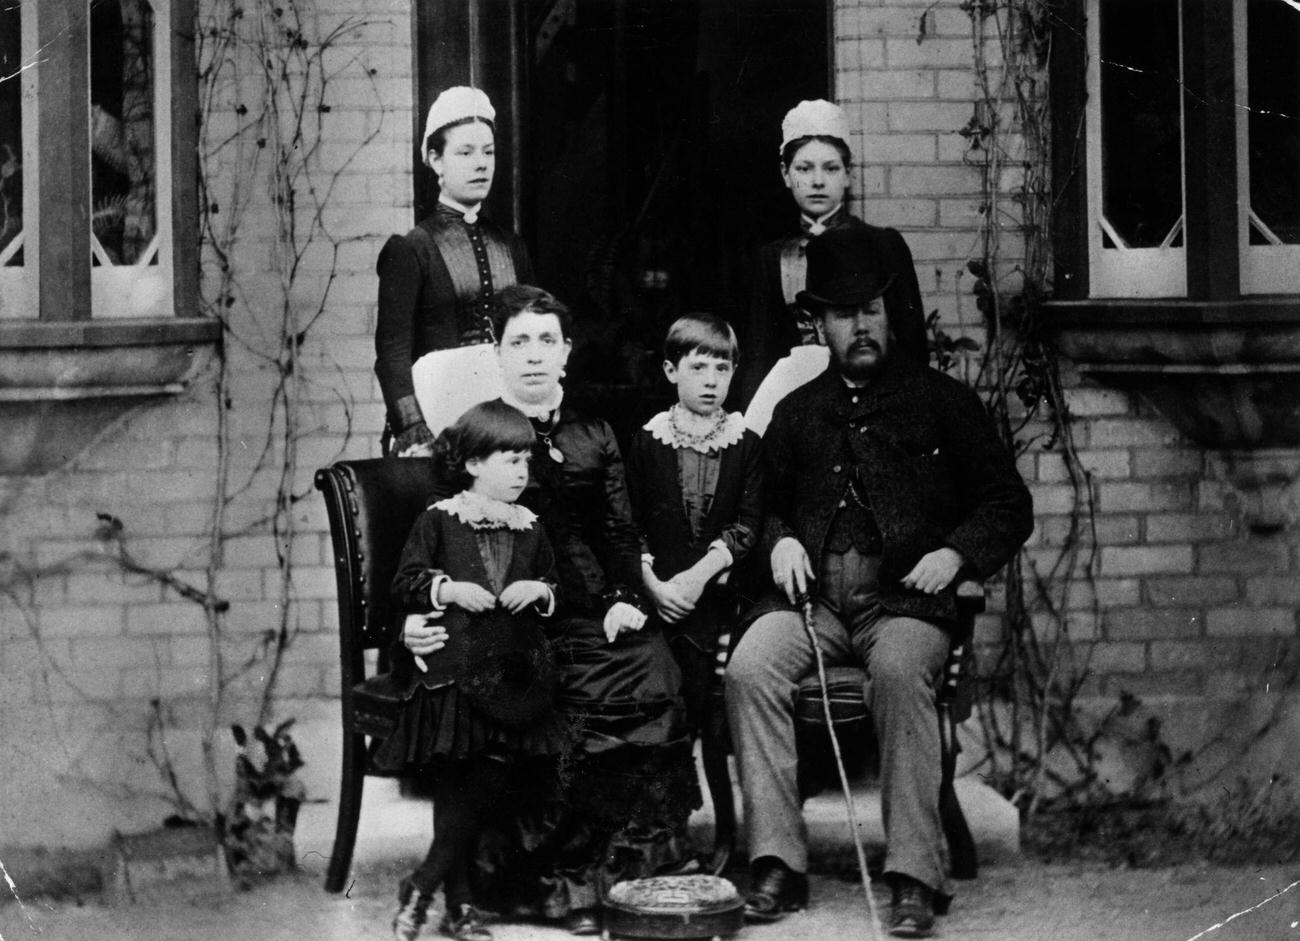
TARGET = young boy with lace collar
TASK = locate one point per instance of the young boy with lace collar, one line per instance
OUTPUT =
(695, 476)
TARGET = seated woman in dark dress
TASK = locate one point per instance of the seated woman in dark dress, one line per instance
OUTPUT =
(612, 809)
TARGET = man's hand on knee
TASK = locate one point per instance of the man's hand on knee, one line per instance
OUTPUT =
(935, 571)
(792, 570)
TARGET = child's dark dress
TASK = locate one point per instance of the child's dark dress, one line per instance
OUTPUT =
(466, 538)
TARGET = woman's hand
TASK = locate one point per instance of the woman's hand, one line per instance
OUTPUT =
(519, 595)
(423, 635)
(621, 617)
(414, 441)
(467, 596)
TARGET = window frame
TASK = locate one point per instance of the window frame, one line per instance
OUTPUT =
(1265, 269)
(1123, 271)
(1212, 229)
(19, 281)
(59, 280)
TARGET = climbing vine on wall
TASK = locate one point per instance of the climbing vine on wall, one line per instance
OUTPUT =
(1038, 742)
(270, 261)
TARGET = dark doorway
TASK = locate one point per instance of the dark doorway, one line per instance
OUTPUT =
(646, 134)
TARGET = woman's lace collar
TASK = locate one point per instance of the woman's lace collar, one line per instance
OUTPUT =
(681, 428)
(541, 411)
(479, 512)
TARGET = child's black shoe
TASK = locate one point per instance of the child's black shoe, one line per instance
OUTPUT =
(412, 912)
(464, 923)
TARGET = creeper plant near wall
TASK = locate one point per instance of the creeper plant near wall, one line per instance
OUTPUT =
(1042, 745)
(266, 68)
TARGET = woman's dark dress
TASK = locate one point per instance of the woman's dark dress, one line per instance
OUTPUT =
(776, 324)
(612, 807)
(435, 288)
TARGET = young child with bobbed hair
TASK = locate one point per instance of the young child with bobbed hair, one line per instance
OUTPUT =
(479, 706)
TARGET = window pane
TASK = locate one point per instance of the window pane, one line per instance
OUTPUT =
(11, 134)
(1273, 83)
(122, 133)
(1141, 123)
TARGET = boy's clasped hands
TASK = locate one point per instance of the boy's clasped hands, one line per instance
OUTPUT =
(676, 597)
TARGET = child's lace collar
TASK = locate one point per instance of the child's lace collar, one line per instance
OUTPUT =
(479, 512)
(681, 428)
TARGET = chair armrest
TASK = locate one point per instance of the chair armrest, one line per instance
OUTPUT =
(970, 598)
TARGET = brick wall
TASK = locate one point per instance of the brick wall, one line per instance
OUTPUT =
(1186, 607)
(84, 648)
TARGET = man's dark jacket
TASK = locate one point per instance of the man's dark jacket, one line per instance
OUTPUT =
(928, 462)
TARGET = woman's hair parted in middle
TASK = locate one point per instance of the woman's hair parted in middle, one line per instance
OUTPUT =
(792, 148)
(482, 431)
(517, 299)
(703, 333)
(436, 142)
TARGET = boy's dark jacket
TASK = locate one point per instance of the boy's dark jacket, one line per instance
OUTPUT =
(735, 515)
(928, 462)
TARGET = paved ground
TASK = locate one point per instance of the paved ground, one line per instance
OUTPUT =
(1010, 902)
(1013, 900)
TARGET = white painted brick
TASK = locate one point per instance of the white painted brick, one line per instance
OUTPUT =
(893, 148)
(99, 620)
(179, 617)
(119, 653)
(110, 587)
(932, 181)
(890, 84)
(942, 116)
(937, 52)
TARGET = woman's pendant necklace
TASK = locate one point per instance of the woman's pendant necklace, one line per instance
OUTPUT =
(554, 453)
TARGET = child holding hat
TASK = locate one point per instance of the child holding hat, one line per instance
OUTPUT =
(436, 282)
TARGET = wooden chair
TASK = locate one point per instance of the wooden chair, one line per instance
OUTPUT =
(372, 505)
(854, 731)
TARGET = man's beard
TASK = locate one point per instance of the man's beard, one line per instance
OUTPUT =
(858, 370)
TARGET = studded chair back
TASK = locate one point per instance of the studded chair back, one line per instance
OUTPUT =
(372, 505)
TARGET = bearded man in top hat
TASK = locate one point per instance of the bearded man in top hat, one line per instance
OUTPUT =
(886, 479)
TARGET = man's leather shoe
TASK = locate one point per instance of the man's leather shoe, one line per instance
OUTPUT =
(583, 921)
(776, 890)
(912, 911)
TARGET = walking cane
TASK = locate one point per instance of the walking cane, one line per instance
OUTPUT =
(810, 630)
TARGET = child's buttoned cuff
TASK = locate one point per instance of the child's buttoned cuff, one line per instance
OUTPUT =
(438, 581)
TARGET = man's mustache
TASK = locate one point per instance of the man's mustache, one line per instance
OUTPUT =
(866, 343)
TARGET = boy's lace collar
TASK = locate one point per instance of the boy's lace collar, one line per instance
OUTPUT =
(479, 512)
(681, 428)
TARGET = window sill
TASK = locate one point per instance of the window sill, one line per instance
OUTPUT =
(1226, 374)
(60, 382)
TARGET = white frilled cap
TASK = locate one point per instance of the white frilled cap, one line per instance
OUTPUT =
(819, 118)
(455, 104)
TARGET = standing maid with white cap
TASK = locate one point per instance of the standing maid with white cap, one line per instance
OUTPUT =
(815, 162)
(436, 282)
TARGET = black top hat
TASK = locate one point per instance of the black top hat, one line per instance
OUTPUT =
(843, 270)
